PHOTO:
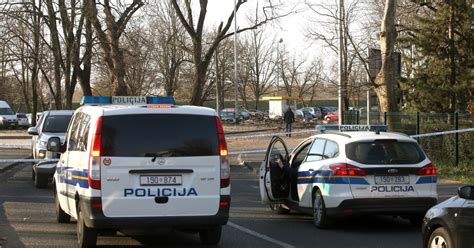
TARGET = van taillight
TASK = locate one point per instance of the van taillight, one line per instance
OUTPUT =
(223, 152)
(94, 157)
(428, 170)
(346, 170)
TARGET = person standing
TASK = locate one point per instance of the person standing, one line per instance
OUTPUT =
(289, 118)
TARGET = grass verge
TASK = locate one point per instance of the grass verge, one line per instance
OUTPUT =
(464, 172)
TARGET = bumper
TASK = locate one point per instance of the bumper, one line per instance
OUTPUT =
(6, 124)
(395, 206)
(95, 218)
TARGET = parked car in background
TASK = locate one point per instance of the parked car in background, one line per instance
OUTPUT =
(38, 116)
(228, 117)
(314, 111)
(451, 223)
(22, 120)
(7, 116)
(331, 116)
(241, 113)
(52, 123)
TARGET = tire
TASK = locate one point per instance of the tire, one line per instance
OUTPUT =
(33, 174)
(86, 236)
(320, 217)
(279, 209)
(440, 238)
(61, 216)
(210, 236)
(41, 182)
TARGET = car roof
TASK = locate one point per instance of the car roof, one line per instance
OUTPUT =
(58, 112)
(348, 137)
(143, 109)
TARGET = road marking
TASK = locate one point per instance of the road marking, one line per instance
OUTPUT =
(259, 235)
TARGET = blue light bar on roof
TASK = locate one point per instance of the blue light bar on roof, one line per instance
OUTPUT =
(342, 128)
(127, 100)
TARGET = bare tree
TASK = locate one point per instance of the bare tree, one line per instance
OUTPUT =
(110, 38)
(202, 54)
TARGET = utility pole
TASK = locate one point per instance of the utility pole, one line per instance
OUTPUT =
(236, 83)
(278, 67)
(341, 45)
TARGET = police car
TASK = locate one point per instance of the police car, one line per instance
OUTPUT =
(142, 163)
(336, 174)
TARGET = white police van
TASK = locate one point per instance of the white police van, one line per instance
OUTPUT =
(142, 164)
(337, 174)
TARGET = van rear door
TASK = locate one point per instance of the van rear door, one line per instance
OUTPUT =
(159, 165)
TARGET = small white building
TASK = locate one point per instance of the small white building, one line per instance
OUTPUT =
(279, 104)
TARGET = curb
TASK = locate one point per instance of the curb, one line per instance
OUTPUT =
(9, 166)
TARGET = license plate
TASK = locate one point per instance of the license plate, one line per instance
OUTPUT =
(160, 180)
(392, 179)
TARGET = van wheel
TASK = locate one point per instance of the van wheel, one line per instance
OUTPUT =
(33, 174)
(279, 209)
(210, 236)
(61, 216)
(86, 236)
(41, 182)
(320, 218)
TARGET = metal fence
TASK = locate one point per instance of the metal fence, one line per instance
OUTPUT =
(449, 148)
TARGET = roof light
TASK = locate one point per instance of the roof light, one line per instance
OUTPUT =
(342, 128)
(127, 100)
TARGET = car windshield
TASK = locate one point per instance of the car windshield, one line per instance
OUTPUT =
(6, 111)
(227, 114)
(56, 123)
(385, 151)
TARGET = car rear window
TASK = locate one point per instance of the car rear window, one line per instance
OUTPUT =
(159, 135)
(56, 123)
(385, 152)
(21, 116)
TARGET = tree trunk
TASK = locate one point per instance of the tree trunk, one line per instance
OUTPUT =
(387, 78)
(85, 74)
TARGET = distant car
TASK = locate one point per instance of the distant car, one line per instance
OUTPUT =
(38, 116)
(227, 117)
(22, 120)
(43, 173)
(331, 117)
(242, 113)
(451, 223)
(315, 112)
(52, 123)
(7, 116)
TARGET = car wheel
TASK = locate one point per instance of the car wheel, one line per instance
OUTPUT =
(41, 181)
(61, 216)
(210, 236)
(320, 218)
(279, 209)
(440, 239)
(86, 236)
(33, 174)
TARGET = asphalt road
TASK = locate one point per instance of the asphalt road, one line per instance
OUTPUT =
(27, 220)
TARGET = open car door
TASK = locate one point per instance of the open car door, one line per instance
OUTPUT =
(274, 182)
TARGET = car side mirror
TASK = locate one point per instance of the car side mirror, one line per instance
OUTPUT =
(54, 144)
(466, 192)
(32, 131)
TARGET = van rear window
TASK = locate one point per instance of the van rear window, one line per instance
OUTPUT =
(159, 135)
(385, 152)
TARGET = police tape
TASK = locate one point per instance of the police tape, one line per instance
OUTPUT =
(442, 133)
(257, 151)
(267, 134)
(27, 160)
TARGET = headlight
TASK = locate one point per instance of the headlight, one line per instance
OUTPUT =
(43, 143)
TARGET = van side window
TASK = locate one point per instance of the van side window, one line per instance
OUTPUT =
(72, 142)
(316, 152)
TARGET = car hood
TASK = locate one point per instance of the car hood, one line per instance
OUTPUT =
(10, 117)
